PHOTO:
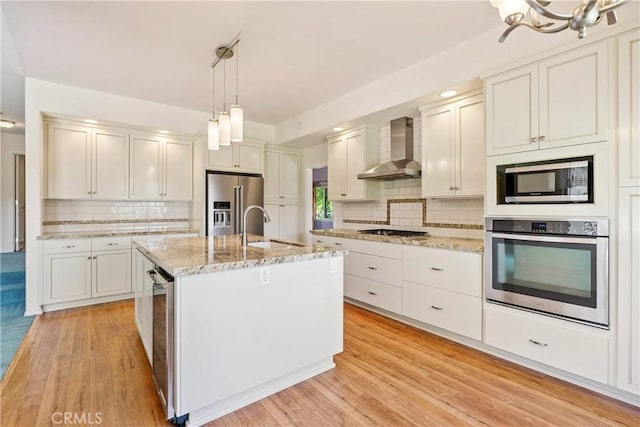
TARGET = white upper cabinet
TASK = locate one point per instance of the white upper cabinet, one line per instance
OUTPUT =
(352, 153)
(557, 102)
(453, 149)
(161, 168)
(629, 108)
(238, 157)
(86, 163)
(281, 175)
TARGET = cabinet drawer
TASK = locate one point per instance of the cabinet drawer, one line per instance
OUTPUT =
(61, 246)
(374, 293)
(380, 269)
(388, 250)
(109, 243)
(455, 312)
(572, 347)
(440, 268)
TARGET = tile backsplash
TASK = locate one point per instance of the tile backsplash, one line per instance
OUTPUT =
(90, 215)
(410, 216)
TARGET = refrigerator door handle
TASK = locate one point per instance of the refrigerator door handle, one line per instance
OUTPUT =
(237, 212)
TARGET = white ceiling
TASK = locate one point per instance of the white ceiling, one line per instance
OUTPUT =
(294, 56)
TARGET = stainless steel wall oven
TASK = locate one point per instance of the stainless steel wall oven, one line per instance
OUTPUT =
(558, 267)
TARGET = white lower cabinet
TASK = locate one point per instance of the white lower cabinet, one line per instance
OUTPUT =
(285, 221)
(448, 310)
(575, 348)
(371, 278)
(378, 294)
(83, 269)
(144, 301)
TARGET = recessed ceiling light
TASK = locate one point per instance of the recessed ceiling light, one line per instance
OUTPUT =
(448, 93)
(93, 122)
(6, 124)
(337, 129)
(164, 132)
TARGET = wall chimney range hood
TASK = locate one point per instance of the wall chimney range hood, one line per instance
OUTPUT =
(401, 164)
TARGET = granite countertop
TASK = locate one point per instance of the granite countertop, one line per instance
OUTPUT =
(454, 243)
(118, 233)
(199, 255)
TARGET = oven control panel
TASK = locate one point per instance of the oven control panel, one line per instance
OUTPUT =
(573, 227)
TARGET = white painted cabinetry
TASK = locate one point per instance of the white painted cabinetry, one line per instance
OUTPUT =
(575, 348)
(143, 301)
(628, 361)
(285, 221)
(443, 288)
(161, 168)
(243, 156)
(282, 193)
(561, 101)
(82, 269)
(281, 175)
(629, 108)
(351, 153)
(453, 149)
(86, 162)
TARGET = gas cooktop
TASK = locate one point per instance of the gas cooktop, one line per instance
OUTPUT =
(402, 233)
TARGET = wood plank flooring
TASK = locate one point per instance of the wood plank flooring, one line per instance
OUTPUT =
(89, 361)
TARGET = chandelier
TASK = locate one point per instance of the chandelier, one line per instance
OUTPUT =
(227, 127)
(587, 14)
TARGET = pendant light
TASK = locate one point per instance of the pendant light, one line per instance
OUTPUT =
(236, 114)
(213, 132)
(228, 125)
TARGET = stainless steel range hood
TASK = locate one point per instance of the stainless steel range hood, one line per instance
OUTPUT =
(401, 164)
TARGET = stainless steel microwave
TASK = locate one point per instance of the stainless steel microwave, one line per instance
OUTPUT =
(552, 181)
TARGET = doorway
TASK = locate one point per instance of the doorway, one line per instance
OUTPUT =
(19, 202)
(322, 207)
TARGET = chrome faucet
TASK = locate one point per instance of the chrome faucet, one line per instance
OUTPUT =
(265, 215)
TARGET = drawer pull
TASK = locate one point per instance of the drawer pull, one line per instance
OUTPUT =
(541, 344)
(319, 241)
(68, 246)
(112, 244)
(435, 307)
(372, 268)
(338, 244)
(372, 293)
(437, 269)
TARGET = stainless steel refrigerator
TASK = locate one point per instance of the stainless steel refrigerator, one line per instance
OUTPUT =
(228, 195)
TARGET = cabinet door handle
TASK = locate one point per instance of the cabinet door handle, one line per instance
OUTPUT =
(534, 139)
(542, 138)
(372, 268)
(456, 188)
(95, 192)
(435, 307)
(282, 197)
(68, 246)
(95, 257)
(282, 206)
(450, 188)
(541, 344)
(88, 257)
(437, 269)
(88, 192)
(372, 293)
(343, 194)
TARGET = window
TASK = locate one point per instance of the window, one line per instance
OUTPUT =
(323, 206)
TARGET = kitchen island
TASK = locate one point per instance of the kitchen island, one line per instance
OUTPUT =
(247, 321)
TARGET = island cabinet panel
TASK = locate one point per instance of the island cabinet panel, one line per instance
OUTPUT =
(234, 335)
(143, 284)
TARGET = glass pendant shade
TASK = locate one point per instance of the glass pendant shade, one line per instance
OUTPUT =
(236, 123)
(225, 128)
(214, 135)
(507, 8)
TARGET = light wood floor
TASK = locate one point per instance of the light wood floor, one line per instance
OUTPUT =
(90, 360)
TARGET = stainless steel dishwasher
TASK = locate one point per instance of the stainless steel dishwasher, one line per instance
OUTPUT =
(163, 366)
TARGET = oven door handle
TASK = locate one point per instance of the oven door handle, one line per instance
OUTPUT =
(553, 239)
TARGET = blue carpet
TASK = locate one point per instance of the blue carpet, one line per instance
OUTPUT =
(13, 324)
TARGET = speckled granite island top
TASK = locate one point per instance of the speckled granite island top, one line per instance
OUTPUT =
(199, 255)
(458, 244)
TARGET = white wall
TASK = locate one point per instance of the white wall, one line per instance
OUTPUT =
(43, 97)
(9, 146)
